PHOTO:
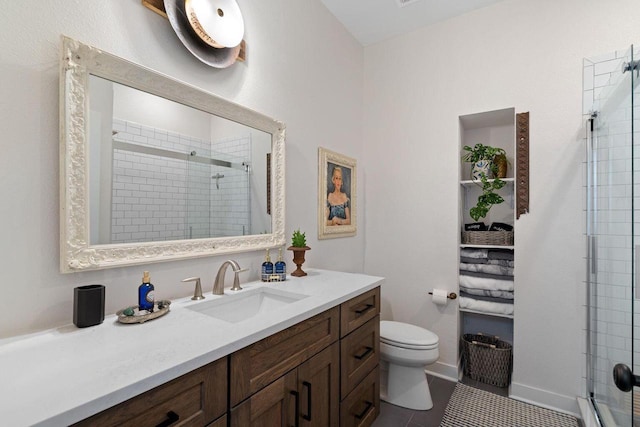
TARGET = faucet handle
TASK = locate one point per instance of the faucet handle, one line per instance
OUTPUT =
(236, 280)
(197, 293)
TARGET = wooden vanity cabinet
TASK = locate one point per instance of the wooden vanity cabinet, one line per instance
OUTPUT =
(194, 399)
(323, 371)
(360, 359)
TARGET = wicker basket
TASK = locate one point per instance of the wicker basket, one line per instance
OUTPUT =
(487, 359)
(498, 238)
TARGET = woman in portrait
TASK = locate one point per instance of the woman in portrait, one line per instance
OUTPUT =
(337, 210)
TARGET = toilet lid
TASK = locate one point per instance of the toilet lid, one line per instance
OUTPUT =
(406, 335)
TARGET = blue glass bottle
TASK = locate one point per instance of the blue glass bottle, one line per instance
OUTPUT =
(281, 267)
(146, 297)
(267, 268)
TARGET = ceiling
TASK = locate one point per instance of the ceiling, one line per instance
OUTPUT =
(372, 21)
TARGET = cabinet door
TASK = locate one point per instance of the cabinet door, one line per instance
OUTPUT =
(319, 388)
(273, 406)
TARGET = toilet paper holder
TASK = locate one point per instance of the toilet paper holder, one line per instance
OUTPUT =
(452, 295)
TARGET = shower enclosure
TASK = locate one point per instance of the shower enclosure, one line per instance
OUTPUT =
(612, 178)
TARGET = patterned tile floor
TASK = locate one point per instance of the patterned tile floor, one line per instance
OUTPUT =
(441, 390)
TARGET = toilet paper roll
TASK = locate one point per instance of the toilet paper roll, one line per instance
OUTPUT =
(440, 297)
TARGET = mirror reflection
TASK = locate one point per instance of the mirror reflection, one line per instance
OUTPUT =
(160, 170)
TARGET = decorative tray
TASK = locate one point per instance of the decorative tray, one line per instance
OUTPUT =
(140, 316)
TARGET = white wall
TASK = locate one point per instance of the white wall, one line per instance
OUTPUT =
(525, 54)
(303, 68)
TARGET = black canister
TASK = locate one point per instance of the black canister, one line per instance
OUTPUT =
(88, 305)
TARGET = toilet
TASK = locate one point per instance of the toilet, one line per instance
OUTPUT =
(407, 349)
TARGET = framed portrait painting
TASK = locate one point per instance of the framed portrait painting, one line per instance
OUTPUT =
(336, 195)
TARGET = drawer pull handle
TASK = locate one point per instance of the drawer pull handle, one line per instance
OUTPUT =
(172, 417)
(364, 354)
(296, 395)
(368, 406)
(363, 310)
(308, 385)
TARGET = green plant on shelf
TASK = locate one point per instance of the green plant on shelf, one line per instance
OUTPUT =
(489, 197)
(481, 152)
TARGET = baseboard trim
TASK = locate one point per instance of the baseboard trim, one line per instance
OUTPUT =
(443, 370)
(545, 399)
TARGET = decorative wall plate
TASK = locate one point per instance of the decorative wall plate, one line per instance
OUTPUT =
(214, 57)
(218, 23)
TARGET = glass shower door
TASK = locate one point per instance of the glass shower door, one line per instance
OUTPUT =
(198, 195)
(612, 181)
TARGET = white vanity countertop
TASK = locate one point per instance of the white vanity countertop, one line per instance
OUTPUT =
(61, 376)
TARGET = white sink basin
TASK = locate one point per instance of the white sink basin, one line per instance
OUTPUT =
(244, 305)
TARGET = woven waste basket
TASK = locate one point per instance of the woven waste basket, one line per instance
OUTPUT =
(487, 359)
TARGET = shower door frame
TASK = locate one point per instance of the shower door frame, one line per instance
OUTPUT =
(610, 405)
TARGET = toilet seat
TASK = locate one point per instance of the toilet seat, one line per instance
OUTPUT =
(407, 336)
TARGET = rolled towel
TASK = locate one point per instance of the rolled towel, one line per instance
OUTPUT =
(487, 268)
(487, 298)
(486, 283)
(485, 306)
(474, 253)
(500, 254)
(488, 292)
(503, 262)
(486, 275)
(474, 260)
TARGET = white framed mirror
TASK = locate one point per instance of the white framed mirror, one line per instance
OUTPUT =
(153, 169)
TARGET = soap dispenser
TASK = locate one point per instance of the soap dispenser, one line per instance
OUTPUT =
(267, 268)
(281, 267)
(145, 293)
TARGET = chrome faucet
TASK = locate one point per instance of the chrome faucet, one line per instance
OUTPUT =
(218, 285)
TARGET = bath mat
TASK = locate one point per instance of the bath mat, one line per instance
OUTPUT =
(471, 407)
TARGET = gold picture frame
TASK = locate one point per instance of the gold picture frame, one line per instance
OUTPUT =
(337, 191)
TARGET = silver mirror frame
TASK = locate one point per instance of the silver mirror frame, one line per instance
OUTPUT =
(78, 61)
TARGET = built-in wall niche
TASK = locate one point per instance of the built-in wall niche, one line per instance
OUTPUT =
(487, 261)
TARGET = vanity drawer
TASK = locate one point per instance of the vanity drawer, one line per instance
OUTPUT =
(362, 406)
(359, 310)
(259, 364)
(196, 399)
(359, 354)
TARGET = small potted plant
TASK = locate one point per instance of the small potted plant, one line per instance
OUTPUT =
(299, 247)
(485, 166)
